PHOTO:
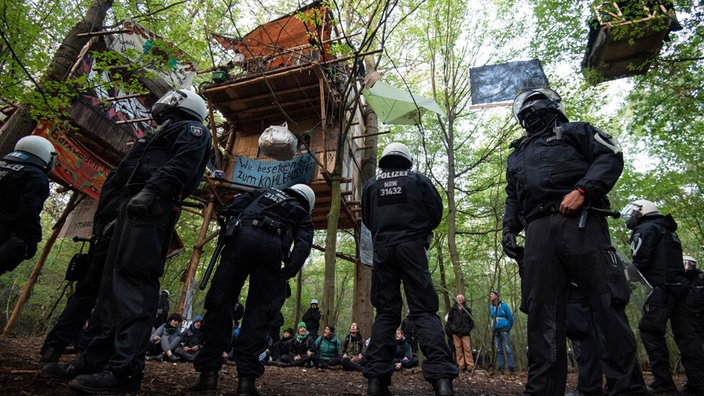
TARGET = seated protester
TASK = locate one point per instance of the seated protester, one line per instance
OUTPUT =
(165, 338)
(302, 347)
(282, 350)
(191, 341)
(328, 349)
(403, 358)
(357, 365)
(353, 344)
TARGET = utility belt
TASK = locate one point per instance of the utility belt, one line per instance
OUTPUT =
(267, 224)
(543, 210)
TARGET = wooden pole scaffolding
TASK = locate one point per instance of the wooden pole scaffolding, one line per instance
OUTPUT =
(189, 282)
(73, 201)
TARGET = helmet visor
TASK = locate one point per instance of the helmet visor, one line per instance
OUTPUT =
(629, 211)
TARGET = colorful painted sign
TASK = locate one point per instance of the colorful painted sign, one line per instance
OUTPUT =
(76, 165)
(176, 67)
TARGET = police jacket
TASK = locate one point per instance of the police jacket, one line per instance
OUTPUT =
(170, 161)
(24, 186)
(547, 165)
(400, 205)
(656, 250)
(312, 319)
(296, 225)
(695, 297)
(459, 320)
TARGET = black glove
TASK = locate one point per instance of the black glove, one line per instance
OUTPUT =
(145, 203)
(13, 252)
(511, 248)
(288, 272)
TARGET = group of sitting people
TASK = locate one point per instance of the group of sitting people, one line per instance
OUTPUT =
(297, 348)
(169, 343)
(300, 349)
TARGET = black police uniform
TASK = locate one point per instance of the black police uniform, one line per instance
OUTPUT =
(80, 305)
(580, 330)
(544, 167)
(25, 187)
(170, 162)
(312, 319)
(401, 208)
(695, 299)
(657, 253)
(269, 220)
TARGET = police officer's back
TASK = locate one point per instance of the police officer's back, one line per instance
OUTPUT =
(401, 208)
(261, 229)
(25, 187)
(657, 253)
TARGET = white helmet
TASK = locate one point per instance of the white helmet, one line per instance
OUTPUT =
(637, 209)
(536, 99)
(186, 101)
(313, 301)
(396, 154)
(305, 192)
(690, 263)
(39, 147)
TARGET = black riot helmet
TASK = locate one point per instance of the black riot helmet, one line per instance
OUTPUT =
(538, 108)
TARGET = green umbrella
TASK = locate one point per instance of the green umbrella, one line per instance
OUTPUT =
(396, 106)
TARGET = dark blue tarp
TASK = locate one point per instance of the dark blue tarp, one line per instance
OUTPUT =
(502, 82)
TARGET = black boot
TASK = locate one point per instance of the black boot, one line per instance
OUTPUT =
(106, 382)
(49, 355)
(246, 387)
(443, 387)
(207, 382)
(378, 387)
(68, 370)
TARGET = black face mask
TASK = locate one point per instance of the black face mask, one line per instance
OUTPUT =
(633, 221)
(538, 121)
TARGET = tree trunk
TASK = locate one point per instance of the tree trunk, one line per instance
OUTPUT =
(362, 310)
(21, 123)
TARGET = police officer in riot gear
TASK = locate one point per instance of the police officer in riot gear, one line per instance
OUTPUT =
(69, 326)
(401, 208)
(160, 170)
(25, 187)
(557, 171)
(695, 298)
(657, 253)
(264, 224)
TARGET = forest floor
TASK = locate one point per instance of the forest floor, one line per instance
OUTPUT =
(20, 375)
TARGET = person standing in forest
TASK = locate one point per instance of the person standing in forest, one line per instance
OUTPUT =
(657, 253)
(401, 208)
(501, 319)
(312, 319)
(25, 186)
(69, 328)
(461, 323)
(159, 171)
(557, 179)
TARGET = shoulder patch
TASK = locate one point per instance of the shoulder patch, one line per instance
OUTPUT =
(197, 131)
(606, 140)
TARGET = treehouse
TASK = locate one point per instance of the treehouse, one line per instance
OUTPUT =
(283, 76)
(625, 36)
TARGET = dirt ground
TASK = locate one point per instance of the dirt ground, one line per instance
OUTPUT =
(20, 375)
